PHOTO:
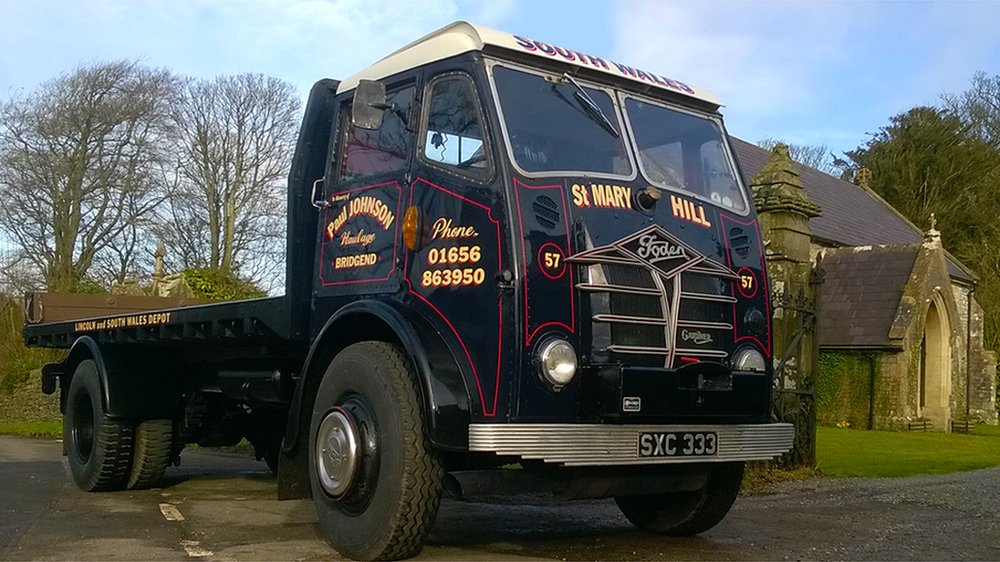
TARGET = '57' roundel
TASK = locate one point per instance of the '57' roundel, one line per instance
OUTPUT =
(551, 260)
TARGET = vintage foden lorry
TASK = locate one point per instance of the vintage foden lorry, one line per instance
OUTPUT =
(510, 266)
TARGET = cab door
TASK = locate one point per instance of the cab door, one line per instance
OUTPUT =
(460, 272)
(360, 234)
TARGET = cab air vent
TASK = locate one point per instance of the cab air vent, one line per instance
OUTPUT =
(739, 242)
(546, 212)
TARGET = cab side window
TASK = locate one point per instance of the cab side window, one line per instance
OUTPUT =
(453, 137)
(383, 151)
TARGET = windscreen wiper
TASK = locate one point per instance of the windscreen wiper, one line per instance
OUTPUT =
(591, 108)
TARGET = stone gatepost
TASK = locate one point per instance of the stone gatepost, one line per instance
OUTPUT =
(785, 210)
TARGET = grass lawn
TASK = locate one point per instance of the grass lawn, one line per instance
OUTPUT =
(50, 429)
(851, 452)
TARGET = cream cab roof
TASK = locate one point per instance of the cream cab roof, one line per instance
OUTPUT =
(462, 37)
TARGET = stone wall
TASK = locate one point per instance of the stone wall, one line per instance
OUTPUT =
(897, 389)
(980, 400)
(843, 387)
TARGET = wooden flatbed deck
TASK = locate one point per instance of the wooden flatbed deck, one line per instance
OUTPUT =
(57, 320)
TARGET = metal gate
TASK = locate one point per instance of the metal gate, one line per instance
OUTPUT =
(796, 366)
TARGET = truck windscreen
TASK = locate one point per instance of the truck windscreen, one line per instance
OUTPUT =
(683, 152)
(551, 129)
(554, 125)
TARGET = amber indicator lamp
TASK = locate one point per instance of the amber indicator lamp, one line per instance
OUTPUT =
(412, 223)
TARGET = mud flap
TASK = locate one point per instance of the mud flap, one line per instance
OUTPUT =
(293, 476)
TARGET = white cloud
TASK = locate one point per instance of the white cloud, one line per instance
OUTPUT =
(813, 72)
(956, 43)
(822, 72)
(300, 41)
(491, 13)
(307, 40)
(746, 52)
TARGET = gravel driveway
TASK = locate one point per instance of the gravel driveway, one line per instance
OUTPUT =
(946, 517)
(230, 509)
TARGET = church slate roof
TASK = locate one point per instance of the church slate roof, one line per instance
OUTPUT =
(852, 215)
(861, 294)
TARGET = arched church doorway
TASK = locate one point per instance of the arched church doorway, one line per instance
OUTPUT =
(935, 366)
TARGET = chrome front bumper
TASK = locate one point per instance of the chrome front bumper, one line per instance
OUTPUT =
(601, 444)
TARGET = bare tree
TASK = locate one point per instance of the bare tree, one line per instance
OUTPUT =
(130, 254)
(818, 157)
(17, 274)
(79, 158)
(237, 136)
(979, 107)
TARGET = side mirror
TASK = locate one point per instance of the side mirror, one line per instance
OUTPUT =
(369, 105)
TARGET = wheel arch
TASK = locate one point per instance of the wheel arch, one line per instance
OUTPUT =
(443, 390)
(127, 391)
(83, 348)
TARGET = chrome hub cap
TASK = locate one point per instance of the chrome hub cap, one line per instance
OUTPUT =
(337, 452)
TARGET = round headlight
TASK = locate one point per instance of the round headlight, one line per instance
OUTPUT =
(748, 359)
(557, 362)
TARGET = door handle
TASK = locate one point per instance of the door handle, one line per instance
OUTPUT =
(321, 204)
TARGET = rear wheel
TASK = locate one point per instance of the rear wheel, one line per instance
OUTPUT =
(153, 448)
(99, 449)
(375, 481)
(683, 514)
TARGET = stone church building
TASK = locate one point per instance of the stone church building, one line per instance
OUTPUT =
(898, 329)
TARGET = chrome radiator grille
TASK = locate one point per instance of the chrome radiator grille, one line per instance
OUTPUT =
(645, 314)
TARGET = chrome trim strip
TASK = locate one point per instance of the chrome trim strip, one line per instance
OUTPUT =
(622, 319)
(674, 307)
(606, 444)
(707, 297)
(705, 325)
(637, 349)
(711, 272)
(598, 287)
(703, 352)
(602, 259)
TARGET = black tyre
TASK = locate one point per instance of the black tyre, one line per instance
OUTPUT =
(375, 481)
(153, 447)
(683, 514)
(99, 449)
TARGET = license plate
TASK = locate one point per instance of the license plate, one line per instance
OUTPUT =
(678, 444)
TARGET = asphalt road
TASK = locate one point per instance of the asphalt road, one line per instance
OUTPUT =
(220, 507)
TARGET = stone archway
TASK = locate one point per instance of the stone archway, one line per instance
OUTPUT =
(935, 366)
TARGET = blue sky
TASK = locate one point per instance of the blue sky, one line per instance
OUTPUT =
(807, 72)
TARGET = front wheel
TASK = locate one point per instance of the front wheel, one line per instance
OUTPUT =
(99, 449)
(376, 483)
(683, 514)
